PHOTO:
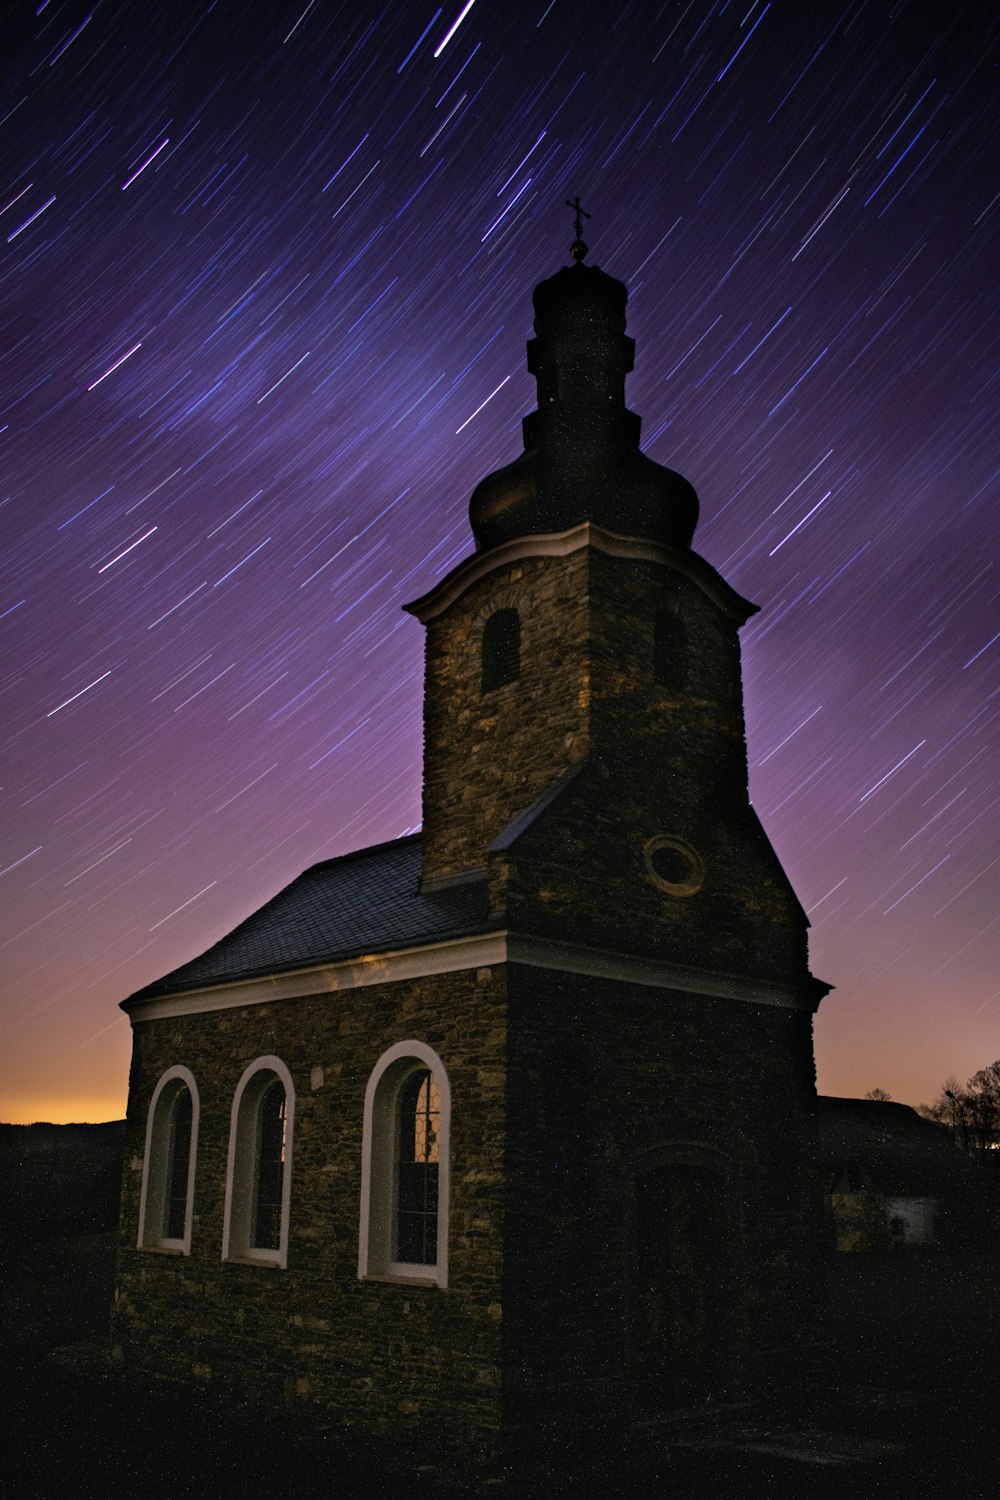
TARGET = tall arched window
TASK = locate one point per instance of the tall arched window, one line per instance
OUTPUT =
(404, 1179)
(272, 1122)
(166, 1201)
(417, 1162)
(258, 1181)
(501, 649)
(178, 1163)
(669, 651)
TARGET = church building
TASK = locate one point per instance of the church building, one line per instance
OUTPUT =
(503, 1132)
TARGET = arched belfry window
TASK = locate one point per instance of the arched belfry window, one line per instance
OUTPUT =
(258, 1181)
(501, 649)
(404, 1176)
(669, 651)
(166, 1201)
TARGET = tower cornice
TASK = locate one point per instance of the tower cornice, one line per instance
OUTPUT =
(562, 544)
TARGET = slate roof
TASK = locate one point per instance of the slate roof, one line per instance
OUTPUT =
(366, 902)
(887, 1147)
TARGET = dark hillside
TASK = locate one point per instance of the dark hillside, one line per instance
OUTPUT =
(58, 1180)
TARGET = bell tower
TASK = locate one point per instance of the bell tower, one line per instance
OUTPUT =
(587, 652)
(585, 761)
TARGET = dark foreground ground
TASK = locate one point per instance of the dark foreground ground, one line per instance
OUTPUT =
(900, 1407)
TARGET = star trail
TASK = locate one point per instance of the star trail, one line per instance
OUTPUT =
(266, 275)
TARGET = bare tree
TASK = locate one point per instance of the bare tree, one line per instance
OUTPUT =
(880, 1095)
(972, 1110)
(982, 1104)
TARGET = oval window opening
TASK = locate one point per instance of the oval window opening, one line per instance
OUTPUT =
(675, 866)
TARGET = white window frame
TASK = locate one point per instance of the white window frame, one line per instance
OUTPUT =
(243, 1162)
(379, 1186)
(156, 1163)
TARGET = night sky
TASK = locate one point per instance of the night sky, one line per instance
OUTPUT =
(266, 287)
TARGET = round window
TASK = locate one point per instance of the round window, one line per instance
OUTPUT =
(675, 866)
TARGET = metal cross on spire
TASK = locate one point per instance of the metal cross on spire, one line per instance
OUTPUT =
(578, 249)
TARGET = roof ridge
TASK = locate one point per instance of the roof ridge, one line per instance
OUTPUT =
(337, 859)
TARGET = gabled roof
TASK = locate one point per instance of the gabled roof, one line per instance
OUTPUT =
(522, 821)
(887, 1146)
(366, 902)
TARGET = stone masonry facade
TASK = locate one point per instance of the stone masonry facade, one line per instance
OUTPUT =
(566, 1087)
(659, 763)
(373, 1355)
(563, 1086)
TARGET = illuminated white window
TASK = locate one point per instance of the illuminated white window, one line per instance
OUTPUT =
(258, 1180)
(418, 1143)
(404, 1181)
(167, 1198)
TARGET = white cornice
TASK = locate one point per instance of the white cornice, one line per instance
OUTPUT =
(479, 952)
(561, 544)
(349, 974)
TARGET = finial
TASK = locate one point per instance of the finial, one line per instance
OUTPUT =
(578, 249)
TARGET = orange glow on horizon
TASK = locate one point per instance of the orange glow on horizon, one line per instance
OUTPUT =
(81, 1109)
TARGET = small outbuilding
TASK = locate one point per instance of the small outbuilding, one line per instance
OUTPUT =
(893, 1177)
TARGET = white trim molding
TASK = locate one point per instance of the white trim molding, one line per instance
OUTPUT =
(321, 979)
(243, 1164)
(157, 1163)
(481, 951)
(379, 1184)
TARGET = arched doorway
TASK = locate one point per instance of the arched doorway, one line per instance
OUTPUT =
(687, 1257)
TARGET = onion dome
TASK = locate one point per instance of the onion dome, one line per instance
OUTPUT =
(582, 460)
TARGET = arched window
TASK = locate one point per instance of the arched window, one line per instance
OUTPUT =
(404, 1177)
(165, 1204)
(501, 649)
(669, 651)
(178, 1165)
(272, 1120)
(258, 1181)
(417, 1162)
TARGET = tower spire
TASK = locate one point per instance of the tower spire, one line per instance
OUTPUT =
(578, 249)
(581, 459)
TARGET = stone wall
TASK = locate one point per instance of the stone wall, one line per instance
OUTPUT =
(606, 1082)
(696, 727)
(581, 872)
(565, 1089)
(487, 756)
(586, 689)
(388, 1358)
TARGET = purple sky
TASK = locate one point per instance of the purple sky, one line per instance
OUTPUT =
(266, 278)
